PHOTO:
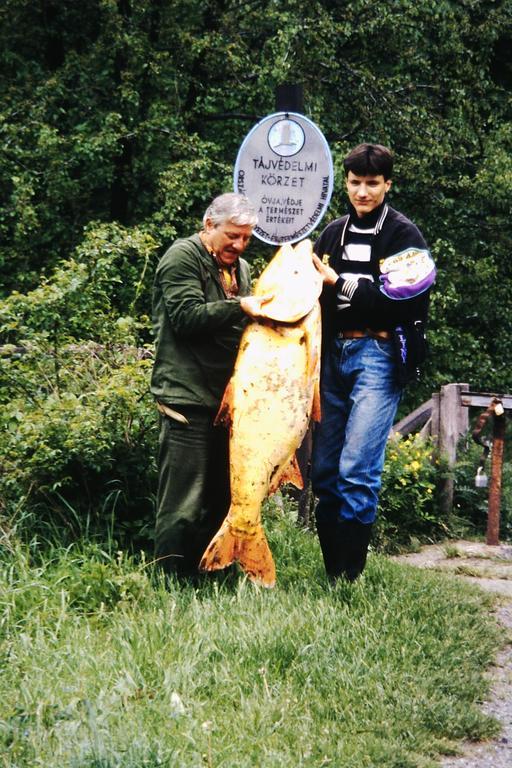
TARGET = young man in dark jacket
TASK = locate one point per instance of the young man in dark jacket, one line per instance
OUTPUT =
(200, 306)
(377, 274)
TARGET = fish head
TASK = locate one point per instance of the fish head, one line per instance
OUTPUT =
(293, 282)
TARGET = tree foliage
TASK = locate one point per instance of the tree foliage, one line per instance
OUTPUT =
(133, 112)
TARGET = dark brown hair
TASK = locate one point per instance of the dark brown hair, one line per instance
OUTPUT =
(369, 160)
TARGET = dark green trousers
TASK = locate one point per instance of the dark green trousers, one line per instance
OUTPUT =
(193, 488)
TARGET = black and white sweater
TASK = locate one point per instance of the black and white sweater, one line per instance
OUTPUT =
(385, 271)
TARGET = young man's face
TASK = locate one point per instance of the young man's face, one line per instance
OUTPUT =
(366, 192)
(227, 240)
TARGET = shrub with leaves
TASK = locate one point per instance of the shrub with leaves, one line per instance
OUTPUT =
(470, 503)
(103, 290)
(79, 441)
(408, 507)
(77, 419)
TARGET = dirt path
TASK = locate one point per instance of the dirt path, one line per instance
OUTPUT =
(491, 569)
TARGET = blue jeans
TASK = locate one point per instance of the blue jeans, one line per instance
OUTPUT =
(359, 397)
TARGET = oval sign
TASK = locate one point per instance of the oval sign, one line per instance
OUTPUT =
(284, 166)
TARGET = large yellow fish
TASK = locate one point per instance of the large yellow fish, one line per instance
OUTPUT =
(268, 403)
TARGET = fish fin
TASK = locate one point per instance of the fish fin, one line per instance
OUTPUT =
(316, 411)
(224, 413)
(166, 410)
(290, 473)
(256, 559)
(311, 327)
(221, 551)
(251, 552)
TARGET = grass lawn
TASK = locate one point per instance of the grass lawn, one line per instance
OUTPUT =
(102, 664)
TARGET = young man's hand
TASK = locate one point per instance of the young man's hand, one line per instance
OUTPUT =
(330, 277)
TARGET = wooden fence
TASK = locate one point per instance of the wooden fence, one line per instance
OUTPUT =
(445, 417)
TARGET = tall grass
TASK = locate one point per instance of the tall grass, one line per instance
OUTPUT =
(105, 664)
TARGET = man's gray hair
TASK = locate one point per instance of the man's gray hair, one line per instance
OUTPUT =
(231, 207)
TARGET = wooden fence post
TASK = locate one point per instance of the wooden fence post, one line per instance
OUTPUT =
(453, 422)
(434, 417)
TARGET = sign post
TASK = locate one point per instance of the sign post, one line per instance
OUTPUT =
(284, 166)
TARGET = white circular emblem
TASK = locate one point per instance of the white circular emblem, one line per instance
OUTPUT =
(286, 138)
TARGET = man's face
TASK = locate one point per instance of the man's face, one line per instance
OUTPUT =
(366, 192)
(227, 240)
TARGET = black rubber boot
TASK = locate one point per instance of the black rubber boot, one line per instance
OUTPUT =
(331, 537)
(356, 538)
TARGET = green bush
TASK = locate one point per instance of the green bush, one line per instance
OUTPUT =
(471, 503)
(79, 449)
(410, 511)
(102, 293)
(79, 424)
(409, 507)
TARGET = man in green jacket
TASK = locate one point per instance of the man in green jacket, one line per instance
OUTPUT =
(201, 304)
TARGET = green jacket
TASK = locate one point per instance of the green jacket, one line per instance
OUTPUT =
(197, 329)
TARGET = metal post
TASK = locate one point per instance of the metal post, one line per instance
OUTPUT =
(493, 516)
(290, 98)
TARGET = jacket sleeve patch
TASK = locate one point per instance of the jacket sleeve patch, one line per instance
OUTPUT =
(407, 274)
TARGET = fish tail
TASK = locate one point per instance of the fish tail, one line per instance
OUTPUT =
(221, 551)
(256, 559)
(251, 552)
